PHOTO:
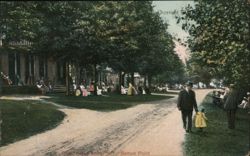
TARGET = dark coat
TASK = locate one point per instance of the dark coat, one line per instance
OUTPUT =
(187, 101)
(232, 100)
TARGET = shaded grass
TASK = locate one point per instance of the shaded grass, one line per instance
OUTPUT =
(105, 103)
(217, 139)
(22, 119)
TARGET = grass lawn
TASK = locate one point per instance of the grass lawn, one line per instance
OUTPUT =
(22, 119)
(217, 139)
(105, 103)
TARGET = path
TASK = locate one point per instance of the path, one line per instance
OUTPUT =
(147, 129)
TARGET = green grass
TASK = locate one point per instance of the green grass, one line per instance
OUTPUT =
(105, 103)
(217, 139)
(22, 119)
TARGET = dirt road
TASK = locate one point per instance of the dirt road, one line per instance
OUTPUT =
(153, 129)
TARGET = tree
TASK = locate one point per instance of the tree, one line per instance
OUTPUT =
(17, 22)
(197, 74)
(220, 37)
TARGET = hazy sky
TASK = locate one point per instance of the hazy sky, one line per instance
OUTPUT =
(166, 7)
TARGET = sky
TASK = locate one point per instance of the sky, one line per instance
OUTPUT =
(167, 8)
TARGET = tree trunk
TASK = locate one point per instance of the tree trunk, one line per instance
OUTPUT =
(133, 78)
(67, 79)
(77, 82)
(120, 82)
(145, 81)
(96, 79)
(1, 85)
(149, 81)
(1, 79)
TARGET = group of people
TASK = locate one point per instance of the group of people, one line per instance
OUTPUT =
(219, 97)
(132, 90)
(187, 103)
(86, 90)
(41, 85)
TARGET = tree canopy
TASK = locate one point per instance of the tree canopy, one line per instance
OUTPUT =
(128, 36)
(220, 38)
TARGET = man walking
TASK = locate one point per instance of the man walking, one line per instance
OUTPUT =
(186, 103)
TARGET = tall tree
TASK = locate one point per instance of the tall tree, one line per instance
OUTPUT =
(220, 37)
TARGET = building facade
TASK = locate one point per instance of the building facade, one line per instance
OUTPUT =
(25, 68)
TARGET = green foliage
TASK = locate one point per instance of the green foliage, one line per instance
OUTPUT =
(197, 73)
(220, 37)
(127, 36)
(17, 22)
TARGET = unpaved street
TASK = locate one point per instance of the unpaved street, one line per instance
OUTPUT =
(147, 129)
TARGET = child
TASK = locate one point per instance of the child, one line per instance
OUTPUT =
(200, 120)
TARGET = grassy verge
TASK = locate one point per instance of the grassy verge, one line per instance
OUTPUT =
(22, 119)
(105, 103)
(217, 139)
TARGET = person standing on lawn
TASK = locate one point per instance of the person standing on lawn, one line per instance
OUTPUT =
(231, 105)
(186, 103)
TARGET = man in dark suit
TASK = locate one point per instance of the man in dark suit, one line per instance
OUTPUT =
(186, 103)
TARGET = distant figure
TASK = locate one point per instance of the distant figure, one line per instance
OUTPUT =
(230, 106)
(92, 88)
(130, 89)
(244, 103)
(78, 92)
(248, 99)
(19, 81)
(186, 103)
(50, 87)
(134, 91)
(6, 78)
(41, 87)
(147, 90)
(123, 91)
(83, 90)
(140, 90)
(200, 120)
(99, 91)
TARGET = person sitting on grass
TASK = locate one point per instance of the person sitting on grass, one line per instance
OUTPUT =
(200, 120)
(83, 90)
